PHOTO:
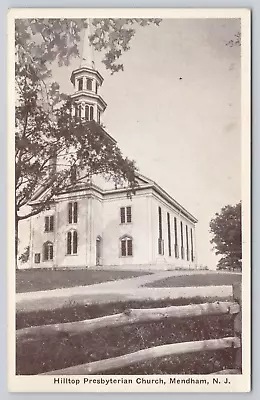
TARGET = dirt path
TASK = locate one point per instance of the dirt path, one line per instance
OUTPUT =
(124, 289)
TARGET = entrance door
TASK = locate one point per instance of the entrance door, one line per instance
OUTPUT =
(98, 250)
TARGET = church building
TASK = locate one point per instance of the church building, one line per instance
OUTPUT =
(98, 224)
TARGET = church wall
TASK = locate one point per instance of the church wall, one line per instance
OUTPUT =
(166, 258)
(62, 228)
(38, 237)
(138, 230)
(96, 231)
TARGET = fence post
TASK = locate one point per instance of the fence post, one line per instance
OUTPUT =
(237, 295)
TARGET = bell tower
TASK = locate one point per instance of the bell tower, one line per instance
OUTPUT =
(87, 81)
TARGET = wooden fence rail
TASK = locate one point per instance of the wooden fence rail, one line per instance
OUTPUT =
(152, 353)
(130, 316)
(137, 316)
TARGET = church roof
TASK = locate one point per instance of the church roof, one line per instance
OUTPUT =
(167, 197)
(144, 183)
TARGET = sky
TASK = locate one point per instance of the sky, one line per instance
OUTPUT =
(183, 133)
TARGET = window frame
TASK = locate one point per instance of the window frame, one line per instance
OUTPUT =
(49, 223)
(80, 84)
(126, 239)
(50, 253)
(73, 212)
(89, 81)
(72, 244)
(125, 214)
(37, 258)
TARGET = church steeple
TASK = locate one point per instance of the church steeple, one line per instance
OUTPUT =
(87, 81)
(87, 55)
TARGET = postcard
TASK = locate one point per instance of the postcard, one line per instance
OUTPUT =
(129, 200)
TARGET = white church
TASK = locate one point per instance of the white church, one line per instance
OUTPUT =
(96, 225)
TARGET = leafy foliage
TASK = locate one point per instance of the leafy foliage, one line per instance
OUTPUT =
(44, 129)
(24, 257)
(227, 236)
(236, 41)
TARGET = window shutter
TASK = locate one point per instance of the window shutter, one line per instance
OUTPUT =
(130, 247)
(75, 242)
(129, 214)
(51, 223)
(122, 213)
(123, 248)
(75, 213)
(51, 252)
(46, 224)
(70, 213)
(69, 243)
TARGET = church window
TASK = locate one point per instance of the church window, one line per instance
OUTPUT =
(96, 87)
(187, 243)
(126, 246)
(49, 223)
(91, 113)
(169, 234)
(176, 247)
(72, 242)
(126, 215)
(98, 116)
(182, 248)
(37, 258)
(48, 251)
(73, 212)
(80, 83)
(160, 222)
(89, 84)
(161, 246)
(87, 112)
(191, 245)
(73, 174)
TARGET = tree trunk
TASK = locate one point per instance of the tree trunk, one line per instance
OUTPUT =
(16, 240)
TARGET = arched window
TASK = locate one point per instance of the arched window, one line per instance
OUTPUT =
(91, 113)
(89, 84)
(98, 116)
(126, 246)
(87, 112)
(47, 251)
(80, 83)
(72, 242)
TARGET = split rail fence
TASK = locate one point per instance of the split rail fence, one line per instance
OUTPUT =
(137, 316)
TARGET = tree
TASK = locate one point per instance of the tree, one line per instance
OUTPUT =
(44, 128)
(227, 236)
(236, 41)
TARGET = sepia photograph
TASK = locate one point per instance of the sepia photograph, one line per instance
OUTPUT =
(130, 200)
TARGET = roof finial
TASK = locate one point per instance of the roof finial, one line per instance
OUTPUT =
(87, 58)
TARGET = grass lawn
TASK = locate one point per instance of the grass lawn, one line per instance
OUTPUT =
(34, 357)
(47, 279)
(210, 279)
